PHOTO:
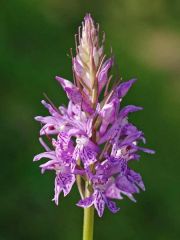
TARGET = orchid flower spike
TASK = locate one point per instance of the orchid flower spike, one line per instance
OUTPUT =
(91, 141)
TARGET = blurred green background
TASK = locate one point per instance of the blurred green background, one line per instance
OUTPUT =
(35, 38)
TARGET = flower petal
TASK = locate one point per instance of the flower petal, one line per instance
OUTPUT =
(50, 165)
(129, 109)
(52, 110)
(136, 178)
(112, 206)
(124, 87)
(146, 150)
(125, 185)
(50, 155)
(65, 181)
(99, 203)
(57, 190)
(103, 74)
(108, 115)
(113, 192)
(71, 90)
(86, 202)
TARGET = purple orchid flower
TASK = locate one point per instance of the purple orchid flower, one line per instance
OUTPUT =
(91, 139)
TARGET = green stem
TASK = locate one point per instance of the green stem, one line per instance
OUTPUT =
(88, 224)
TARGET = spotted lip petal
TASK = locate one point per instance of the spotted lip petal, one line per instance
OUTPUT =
(86, 150)
(87, 202)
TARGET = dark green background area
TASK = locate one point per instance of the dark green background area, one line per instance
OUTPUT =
(35, 38)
